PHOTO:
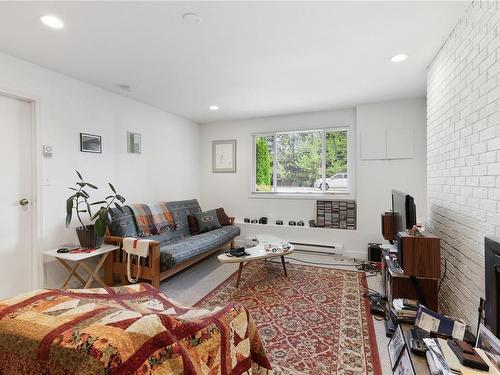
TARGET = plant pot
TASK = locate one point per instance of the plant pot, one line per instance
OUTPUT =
(88, 238)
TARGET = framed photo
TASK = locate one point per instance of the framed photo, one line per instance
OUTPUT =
(224, 156)
(133, 143)
(490, 345)
(90, 143)
(405, 366)
(396, 346)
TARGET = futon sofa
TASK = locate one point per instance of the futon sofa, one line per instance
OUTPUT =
(170, 251)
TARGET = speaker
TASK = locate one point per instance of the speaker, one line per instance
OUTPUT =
(374, 252)
(388, 226)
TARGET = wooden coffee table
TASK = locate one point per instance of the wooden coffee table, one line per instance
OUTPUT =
(257, 252)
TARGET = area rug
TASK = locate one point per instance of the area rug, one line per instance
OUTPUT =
(315, 321)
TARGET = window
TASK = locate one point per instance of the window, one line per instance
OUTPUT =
(306, 161)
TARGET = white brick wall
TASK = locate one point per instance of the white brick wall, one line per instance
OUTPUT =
(463, 153)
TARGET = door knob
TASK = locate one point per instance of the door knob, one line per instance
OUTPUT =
(24, 202)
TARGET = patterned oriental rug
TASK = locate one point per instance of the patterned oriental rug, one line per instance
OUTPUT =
(315, 321)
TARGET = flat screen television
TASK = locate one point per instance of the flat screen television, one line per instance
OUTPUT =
(404, 217)
(403, 211)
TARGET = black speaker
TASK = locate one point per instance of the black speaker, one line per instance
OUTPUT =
(374, 252)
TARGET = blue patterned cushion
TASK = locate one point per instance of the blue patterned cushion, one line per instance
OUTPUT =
(123, 223)
(207, 221)
(180, 251)
(180, 211)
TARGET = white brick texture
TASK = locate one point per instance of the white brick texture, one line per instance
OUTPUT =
(463, 153)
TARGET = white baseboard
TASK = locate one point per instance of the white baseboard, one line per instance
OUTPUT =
(343, 253)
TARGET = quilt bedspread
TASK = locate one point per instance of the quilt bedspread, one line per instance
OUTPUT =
(124, 330)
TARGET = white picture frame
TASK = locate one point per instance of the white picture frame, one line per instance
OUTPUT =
(134, 144)
(224, 156)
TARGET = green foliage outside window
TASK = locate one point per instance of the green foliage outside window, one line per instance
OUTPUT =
(263, 172)
(336, 152)
(299, 158)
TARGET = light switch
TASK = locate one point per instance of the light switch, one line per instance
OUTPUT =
(47, 151)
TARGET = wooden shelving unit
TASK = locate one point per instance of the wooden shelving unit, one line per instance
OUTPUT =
(421, 269)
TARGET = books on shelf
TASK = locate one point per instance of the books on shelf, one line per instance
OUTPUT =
(401, 319)
(404, 308)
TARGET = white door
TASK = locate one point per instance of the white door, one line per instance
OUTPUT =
(15, 196)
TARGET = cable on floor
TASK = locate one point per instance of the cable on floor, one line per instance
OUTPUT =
(364, 265)
(318, 263)
(370, 267)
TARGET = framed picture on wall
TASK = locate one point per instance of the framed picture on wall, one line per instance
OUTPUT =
(90, 143)
(224, 156)
(134, 143)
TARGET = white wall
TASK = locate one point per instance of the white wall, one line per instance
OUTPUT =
(167, 169)
(374, 178)
(463, 153)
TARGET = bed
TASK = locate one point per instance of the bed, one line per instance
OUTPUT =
(131, 329)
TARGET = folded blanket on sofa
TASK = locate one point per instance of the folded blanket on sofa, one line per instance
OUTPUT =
(133, 329)
(152, 218)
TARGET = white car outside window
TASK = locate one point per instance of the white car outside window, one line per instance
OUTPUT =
(336, 182)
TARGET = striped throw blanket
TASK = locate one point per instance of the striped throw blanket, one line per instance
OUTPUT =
(152, 218)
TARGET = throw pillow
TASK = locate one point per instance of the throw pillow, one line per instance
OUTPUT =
(207, 221)
(223, 218)
(122, 222)
(193, 225)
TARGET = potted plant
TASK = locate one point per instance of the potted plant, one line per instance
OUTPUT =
(91, 235)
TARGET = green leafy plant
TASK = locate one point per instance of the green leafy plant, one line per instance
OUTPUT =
(79, 203)
(263, 173)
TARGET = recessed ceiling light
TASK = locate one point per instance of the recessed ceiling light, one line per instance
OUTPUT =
(191, 18)
(213, 108)
(52, 21)
(399, 58)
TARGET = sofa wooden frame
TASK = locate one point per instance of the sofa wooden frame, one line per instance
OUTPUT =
(116, 262)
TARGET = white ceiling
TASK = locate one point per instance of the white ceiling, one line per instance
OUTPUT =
(251, 59)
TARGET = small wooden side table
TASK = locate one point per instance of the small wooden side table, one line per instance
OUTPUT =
(79, 260)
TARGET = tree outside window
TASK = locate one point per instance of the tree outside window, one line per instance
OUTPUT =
(297, 161)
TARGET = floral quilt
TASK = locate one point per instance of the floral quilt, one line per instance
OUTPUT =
(124, 330)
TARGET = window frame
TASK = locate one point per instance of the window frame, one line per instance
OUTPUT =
(349, 194)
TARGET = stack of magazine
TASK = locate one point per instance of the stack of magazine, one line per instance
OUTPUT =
(404, 310)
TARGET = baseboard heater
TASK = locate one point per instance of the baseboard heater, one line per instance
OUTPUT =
(317, 248)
